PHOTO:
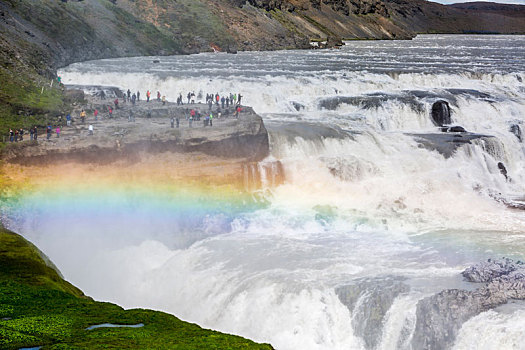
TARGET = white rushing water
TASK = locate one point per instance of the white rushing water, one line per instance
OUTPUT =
(362, 200)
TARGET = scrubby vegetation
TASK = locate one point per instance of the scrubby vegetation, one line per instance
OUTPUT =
(39, 308)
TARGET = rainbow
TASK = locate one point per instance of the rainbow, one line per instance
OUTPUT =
(127, 193)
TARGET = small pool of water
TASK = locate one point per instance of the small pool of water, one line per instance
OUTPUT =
(111, 325)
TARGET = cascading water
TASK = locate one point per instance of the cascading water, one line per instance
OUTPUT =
(359, 220)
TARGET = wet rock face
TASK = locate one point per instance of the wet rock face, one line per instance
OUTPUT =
(440, 317)
(369, 301)
(516, 130)
(492, 269)
(441, 113)
(503, 170)
(456, 128)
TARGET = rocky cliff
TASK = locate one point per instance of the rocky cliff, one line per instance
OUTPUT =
(145, 128)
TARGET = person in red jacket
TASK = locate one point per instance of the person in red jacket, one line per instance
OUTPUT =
(238, 111)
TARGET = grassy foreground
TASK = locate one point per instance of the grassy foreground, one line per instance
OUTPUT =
(39, 308)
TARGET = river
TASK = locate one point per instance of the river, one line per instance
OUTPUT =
(362, 203)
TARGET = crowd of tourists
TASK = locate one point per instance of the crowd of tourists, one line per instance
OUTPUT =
(222, 109)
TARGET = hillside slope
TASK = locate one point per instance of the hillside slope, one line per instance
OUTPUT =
(36, 37)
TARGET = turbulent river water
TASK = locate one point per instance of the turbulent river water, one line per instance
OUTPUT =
(363, 204)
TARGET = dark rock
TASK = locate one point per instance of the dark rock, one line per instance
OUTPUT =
(74, 96)
(156, 61)
(447, 143)
(368, 316)
(516, 130)
(440, 317)
(491, 269)
(316, 4)
(503, 170)
(333, 41)
(456, 129)
(297, 106)
(231, 49)
(372, 100)
(441, 113)
(338, 6)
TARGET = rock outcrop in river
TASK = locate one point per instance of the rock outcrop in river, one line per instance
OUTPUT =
(440, 317)
(369, 301)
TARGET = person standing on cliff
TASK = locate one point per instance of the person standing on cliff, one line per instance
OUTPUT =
(239, 96)
(116, 103)
(172, 122)
(163, 100)
(238, 112)
(48, 131)
(223, 100)
(110, 111)
(58, 131)
(133, 99)
(11, 135)
(158, 95)
(148, 95)
(129, 94)
(177, 121)
(189, 97)
(35, 133)
(31, 134)
(90, 129)
(138, 95)
(95, 114)
(82, 116)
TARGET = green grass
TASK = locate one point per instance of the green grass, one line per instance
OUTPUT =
(187, 21)
(27, 100)
(145, 35)
(39, 308)
(319, 26)
(282, 18)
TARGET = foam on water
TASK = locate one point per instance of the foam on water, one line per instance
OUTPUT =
(493, 330)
